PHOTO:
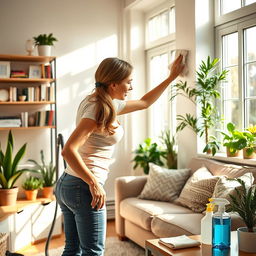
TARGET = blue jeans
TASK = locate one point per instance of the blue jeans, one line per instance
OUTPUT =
(84, 226)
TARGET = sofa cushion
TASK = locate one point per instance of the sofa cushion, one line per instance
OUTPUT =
(164, 184)
(198, 189)
(141, 211)
(166, 225)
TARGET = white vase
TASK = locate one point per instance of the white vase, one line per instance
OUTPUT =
(246, 240)
(44, 50)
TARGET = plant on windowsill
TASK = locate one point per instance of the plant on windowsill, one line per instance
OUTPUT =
(31, 186)
(204, 94)
(249, 151)
(48, 174)
(44, 43)
(244, 203)
(234, 140)
(170, 149)
(9, 172)
(146, 153)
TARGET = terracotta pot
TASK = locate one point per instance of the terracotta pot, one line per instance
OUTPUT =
(236, 154)
(246, 240)
(8, 196)
(48, 192)
(246, 156)
(31, 194)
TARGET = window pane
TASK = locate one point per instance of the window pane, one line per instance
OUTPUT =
(251, 116)
(250, 44)
(230, 5)
(172, 20)
(230, 50)
(231, 87)
(247, 2)
(251, 80)
(231, 109)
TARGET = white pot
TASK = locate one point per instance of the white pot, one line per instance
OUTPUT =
(44, 50)
(246, 240)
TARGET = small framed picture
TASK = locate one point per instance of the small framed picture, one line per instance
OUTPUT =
(34, 71)
(5, 69)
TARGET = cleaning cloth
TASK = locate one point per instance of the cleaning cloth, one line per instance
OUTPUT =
(184, 54)
(179, 242)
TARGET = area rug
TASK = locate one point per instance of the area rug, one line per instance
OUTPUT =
(114, 247)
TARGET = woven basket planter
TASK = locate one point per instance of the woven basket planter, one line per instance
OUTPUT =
(3, 243)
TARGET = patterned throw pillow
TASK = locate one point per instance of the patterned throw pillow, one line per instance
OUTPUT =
(226, 186)
(164, 184)
(198, 189)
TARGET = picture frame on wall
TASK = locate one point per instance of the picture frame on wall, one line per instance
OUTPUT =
(5, 69)
(35, 71)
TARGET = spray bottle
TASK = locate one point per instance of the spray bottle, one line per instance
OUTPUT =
(206, 224)
(221, 225)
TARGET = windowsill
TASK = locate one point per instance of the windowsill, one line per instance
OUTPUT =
(234, 160)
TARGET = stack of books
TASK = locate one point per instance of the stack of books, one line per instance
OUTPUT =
(10, 121)
(18, 74)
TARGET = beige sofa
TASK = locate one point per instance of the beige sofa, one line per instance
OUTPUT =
(139, 219)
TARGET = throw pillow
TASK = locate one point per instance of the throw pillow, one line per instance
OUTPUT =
(198, 190)
(164, 184)
(226, 186)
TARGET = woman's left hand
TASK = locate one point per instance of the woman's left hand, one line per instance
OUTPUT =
(176, 68)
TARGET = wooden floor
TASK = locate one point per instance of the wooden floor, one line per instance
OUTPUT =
(57, 242)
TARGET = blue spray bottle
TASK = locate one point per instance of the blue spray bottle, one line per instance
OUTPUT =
(221, 225)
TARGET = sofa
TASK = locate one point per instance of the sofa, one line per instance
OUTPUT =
(141, 219)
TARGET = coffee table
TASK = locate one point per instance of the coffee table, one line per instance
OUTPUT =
(153, 247)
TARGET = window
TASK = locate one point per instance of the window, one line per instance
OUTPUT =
(227, 6)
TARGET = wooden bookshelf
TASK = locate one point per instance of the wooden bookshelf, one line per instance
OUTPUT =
(27, 102)
(8, 57)
(26, 80)
(27, 128)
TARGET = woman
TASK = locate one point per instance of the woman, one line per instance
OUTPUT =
(88, 152)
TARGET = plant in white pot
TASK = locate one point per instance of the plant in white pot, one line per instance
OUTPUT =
(244, 203)
(9, 172)
(44, 44)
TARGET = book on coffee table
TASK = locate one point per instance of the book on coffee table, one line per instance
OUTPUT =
(179, 242)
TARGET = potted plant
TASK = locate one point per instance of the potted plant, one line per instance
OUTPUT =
(249, 151)
(204, 94)
(9, 172)
(170, 152)
(48, 173)
(44, 43)
(212, 146)
(31, 186)
(234, 140)
(244, 203)
(147, 152)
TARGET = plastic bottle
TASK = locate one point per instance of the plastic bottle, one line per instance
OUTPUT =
(206, 225)
(221, 225)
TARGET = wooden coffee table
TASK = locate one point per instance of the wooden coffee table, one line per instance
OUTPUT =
(153, 247)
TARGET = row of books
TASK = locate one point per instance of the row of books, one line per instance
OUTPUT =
(45, 118)
(46, 71)
(44, 92)
(10, 121)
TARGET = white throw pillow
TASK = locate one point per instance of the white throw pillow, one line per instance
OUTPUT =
(164, 184)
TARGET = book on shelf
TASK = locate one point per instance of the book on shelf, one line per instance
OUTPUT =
(45, 118)
(46, 70)
(10, 121)
(24, 119)
(18, 74)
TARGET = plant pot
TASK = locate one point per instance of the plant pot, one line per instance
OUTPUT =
(235, 154)
(31, 194)
(8, 196)
(44, 50)
(246, 240)
(48, 192)
(251, 156)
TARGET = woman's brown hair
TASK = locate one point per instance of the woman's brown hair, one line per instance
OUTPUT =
(110, 70)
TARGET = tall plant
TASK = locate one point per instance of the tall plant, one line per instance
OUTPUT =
(9, 172)
(204, 94)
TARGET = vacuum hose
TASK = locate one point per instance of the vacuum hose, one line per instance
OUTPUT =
(60, 143)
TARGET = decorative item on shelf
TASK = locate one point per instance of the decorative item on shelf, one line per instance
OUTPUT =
(44, 43)
(9, 172)
(234, 141)
(31, 186)
(244, 203)
(48, 173)
(4, 95)
(170, 149)
(147, 152)
(22, 97)
(35, 71)
(204, 94)
(30, 46)
(5, 69)
(249, 152)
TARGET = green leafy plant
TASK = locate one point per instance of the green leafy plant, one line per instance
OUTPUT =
(234, 140)
(44, 39)
(9, 172)
(32, 183)
(244, 203)
(170, 152)
(212, 146)
(204, 94)
(48, 172)
(250, 136)
(146, 153)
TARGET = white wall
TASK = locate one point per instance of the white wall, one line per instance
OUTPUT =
(87, 32)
